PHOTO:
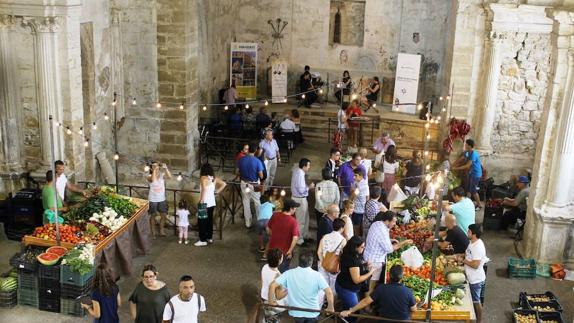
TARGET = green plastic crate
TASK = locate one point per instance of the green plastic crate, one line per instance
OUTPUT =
(70, 277)
(543, 270)
(521, 268)
(28, 297)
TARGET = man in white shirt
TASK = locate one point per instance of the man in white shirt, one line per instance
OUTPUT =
(272, 156)
(185, 306)
(474, 260)
(62, 181)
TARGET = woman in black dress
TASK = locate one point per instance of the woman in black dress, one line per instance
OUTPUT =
(148, 299)
(345, 86)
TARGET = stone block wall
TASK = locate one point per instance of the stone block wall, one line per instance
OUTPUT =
(522, 91)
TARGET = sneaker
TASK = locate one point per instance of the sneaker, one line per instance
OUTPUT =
(209, 240)
(200, 244)
(180, 242)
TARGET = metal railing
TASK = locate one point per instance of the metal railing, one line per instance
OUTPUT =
(364, 125)
(228, 203)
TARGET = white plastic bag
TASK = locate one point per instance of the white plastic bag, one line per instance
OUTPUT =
(396, 194)
(412, 257)
(406, 216)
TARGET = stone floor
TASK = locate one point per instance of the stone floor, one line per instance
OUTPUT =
(227, 273)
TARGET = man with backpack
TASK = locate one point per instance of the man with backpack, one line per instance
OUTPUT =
(186, 305)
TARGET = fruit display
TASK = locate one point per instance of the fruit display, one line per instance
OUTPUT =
(425, 272)
(81, 258)
(419, 232)
(60, 251)
(68, 233)
(48, 259)
(525, 318)
(8, 284)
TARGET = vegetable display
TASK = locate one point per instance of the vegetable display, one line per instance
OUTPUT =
(68, 233)
(80, 259)
(109, 218)
(100, 199)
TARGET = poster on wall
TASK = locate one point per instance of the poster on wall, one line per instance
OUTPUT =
(243, 69)
(278, 81)
(406, 83)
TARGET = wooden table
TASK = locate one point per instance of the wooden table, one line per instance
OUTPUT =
(464, 312)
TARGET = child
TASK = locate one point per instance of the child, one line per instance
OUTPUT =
(182, 220)
(265, 213)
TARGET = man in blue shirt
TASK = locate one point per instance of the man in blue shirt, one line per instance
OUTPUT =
(303, 286)
(474, 167)
(250, 172)
(393, 301)
(463, 209)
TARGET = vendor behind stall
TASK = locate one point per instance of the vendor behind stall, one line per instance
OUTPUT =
(62, 184)
(463, 208)
(49, 198)
(453, 236)
(517, 204)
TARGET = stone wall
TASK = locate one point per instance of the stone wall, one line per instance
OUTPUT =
(522, 93)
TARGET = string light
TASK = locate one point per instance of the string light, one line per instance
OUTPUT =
(283, 193)
(247, 106)
(181, 106)
(134, 102)
(81, 131)
(158, 105)
(266, 102)
(179, 177)
(320, 91)
(114, 102)
(426, 153)
(68, 130)
(428, 167)
(116, 156)
(87, 142)
(420, 106)
(94, 126)
(338, 85)
(374, 105)
(441, 98)
(438, 118)
(226, 108)
(146, 168)
(106, 117)
(443, 109)
(204, 108)
(303, 96)
(448, 97)
(56, 123)
(285, 100)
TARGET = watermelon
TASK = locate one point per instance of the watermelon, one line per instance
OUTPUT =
(8, 284)
(48, 259)
(60, 251)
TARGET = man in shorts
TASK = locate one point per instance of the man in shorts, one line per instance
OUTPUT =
(474, 167)
(474, 260)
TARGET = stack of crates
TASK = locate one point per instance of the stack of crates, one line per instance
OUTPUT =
(73, 287)
(49, 288)
(28, 286)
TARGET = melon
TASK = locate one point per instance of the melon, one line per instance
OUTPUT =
(48, 259)
(60, 251)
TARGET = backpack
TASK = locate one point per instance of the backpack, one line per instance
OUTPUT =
(173, 309)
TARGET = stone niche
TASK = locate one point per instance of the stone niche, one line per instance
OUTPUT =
(347, 22)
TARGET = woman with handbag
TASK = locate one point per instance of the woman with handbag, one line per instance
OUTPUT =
(328, 252)
(209, 185)
(353, 273)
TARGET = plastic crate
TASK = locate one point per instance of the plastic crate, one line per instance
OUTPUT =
(27, 280)
(521, 268)
(8, 299)
(49, 283)
(49, 304)
(70, 277)
(51, 272)
(523, 298)
(492, 218)
(543, 270)
(524, 312)
(551, 316)
(71, 307)
(73, 291)
(28, 297)
(22, 264)
(554, 305)
(49, 292)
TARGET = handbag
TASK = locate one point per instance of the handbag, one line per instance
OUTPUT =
(202, 211)
(331, 260)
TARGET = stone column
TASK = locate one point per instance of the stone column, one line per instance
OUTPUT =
(562, 169)
(10, 138)
(48, 83)
(493, 64)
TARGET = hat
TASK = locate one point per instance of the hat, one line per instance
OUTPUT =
(289, 203)
(523, 179)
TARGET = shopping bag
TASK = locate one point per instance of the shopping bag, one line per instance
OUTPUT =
(396, 194)
(412, 257)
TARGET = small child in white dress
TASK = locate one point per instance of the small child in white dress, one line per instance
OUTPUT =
(182, 220)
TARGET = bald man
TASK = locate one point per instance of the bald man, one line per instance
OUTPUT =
(325, 224)
(453, 236)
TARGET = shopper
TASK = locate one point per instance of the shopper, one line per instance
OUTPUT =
(303, 286)
(156, 197)
(251, 173)
(326, 193)
(186, 305)
(333, 163)
(276, 198)
(332, 242)
(271, 156)
(283, 232)
(269, 273)
(372, 208)
(148, 299)
(325, 225)
(209, 185)
(265, 213)
(182, 214)
(390, 165)
(346, 215)
(299, 193)
(393, 300)
(463, 208)
(346, 175)
(105, 297)
(353, 273)
(414, 171)
(474, 261)
(359, 196)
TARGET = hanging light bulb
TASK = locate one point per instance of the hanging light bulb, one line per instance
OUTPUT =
(443, 110)
(427, 125)
(420, 106)
(247, 106)
(81, 131)
(441, 98)
(225, 108)
(116, 156)
(146, 168)
(87, 142)
(374, 105)
(106, 117)
(114, 102)
(134, 102)
(426, 153)
(302, 96)
(181, 106)
(285, 100)
(56, 123)
(438, 118)
(94, 126)
(321, 91)
(158, 105)
(266, 102)
(179, 177)
(448, 97)
(204, 108)
(428, 167)
(68, 131)
(428, 178)
(338, 85)
(283, 193)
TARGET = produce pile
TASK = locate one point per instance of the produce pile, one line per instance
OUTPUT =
(68, 233)
(413, 203)
(525, 318)
(80, 259)
(419, 232)
(96, 204)
(52, 255)
(10, 283)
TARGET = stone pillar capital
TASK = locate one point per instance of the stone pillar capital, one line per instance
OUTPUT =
(7, 22)
(43, 24)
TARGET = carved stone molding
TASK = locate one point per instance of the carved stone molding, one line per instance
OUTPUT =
(497, 36)
(7, 21)
(43, 24)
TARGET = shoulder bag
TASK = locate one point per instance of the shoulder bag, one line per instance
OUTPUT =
(331, 260)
